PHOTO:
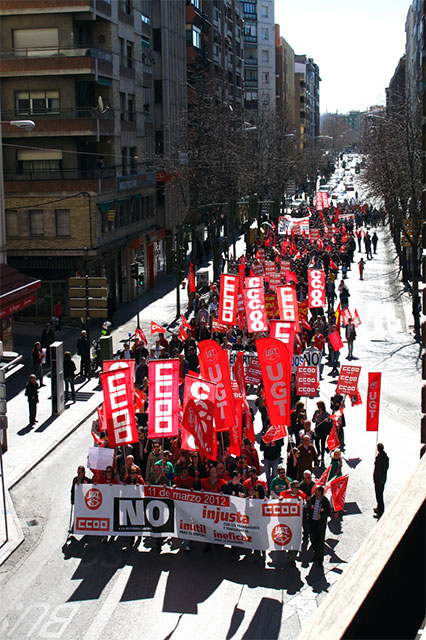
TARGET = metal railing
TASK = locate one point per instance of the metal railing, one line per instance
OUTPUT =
(66, 52)
(61, 114)
(61, 174)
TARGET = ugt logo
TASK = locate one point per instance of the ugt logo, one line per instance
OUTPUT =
(211, 356)
(272, 354)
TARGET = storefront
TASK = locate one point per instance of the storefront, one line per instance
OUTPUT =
(17, 291)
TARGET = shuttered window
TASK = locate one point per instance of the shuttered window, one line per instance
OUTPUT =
(35, 42)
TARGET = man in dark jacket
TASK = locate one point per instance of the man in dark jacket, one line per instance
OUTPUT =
(318, 511)
(47, 337)
(31, 391)
(381, 466)
(83, 350)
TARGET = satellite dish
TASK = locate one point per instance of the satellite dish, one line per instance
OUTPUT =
(100, 104)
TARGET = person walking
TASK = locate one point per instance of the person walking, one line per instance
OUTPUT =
(31, 391)
(350, 333)
(69, 375)
(47, 337)
(361, 265)
(37, 358)
(318, 512)
(381, 466)
(83, 350)
(374, 240)
(57, 314)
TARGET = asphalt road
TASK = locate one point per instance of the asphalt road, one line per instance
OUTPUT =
(85, 589)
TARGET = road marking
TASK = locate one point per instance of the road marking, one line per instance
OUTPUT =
(108, 607)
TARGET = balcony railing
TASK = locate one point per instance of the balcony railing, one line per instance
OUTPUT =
(62, 174)
(60, 114)
(250, 39)
(250, 62)
(68, 52)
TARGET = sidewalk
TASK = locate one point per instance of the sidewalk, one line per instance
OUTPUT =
(27, 446)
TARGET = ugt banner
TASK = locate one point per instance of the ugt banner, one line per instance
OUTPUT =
(163, 396)
(214, 366)
(228, 299)
(373, 401)
(118, 409)
(316, 288)
(275, 365)
(158, 511)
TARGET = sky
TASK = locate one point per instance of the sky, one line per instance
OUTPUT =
(356, 44)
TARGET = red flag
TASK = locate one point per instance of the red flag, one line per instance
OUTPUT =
(140, 334)
(97, 439)
(338, 488)
(157, 328)
(373, 401)
(241, 275)
(335, 340)
(276, 370)
(228, 299)
(333, 265)
(192, 423)
(139, 399)
(357, 319)
(332, 440)
(182, 334)
(185, 322)
(163, 393)
(101, 418)
(290, 277)
(238, 371)
(306, 325)
(191, 279)
(214, 367)
(356, 399)
(275, 432)
(117, 385)
(322, 482)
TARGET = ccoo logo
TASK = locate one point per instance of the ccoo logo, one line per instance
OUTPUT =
(93, 499)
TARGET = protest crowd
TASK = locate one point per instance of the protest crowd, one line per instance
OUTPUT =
(256, 342)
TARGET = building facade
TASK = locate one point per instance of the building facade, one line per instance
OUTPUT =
(284, 79)
(307, 98)
(81, 192)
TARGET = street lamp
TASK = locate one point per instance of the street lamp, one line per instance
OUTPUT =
(26, 125)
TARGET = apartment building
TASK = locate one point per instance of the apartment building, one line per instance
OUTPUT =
(284, 79)
(81, 192)
(307, 98)
(259, 56)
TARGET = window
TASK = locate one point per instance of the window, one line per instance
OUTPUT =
(250, 96)
(265, 55)
(62, 222)
(196, 37)
(11, 223)
(36, 222)
(133, 159)
(249, 7)
(122, 106)
(264, 11)
(156, 40)
(196, 3)
(265, 77)
(129, 55)
(250, 31)
(145, 42)
(158, 91)
(36, 102)
(121, 45)
(37, 161)
(126, 7)
(265, 34)
(130, 108)
(124, 161)
(265, 98)
(145, 19)
(29, 42)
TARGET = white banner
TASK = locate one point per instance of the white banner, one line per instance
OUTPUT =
(100, 458)
(159, 511)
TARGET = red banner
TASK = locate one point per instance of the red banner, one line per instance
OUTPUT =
(254, 304)
(373, 401)
(325, 202)
(228, 299)
(214, 367)
(276, 370)
(182, 334)
(163, 394)
(274, 281)
(202, 393)
(332, 440)
(110, 365)
(307, 381)
(191, 279)
(335, 340)
(316, 288)
(253, 372)
(357, 319)
(254, 282)
(275, 433)
(185, 322)
(269, 269)
(283, 331)
(287, 304)
(219, 327)
(318, 201)
(140, 334)
(338, 488)
(346, 315)
(348, 380)
(241, 275)
(118, 407)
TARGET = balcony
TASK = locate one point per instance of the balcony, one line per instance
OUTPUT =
(76, 122)
(250, 41)
(250, 62)
(63, 180)
(11, 7)
(250, 83)
(54, 61)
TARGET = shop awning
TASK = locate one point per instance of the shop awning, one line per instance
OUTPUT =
(17, 290)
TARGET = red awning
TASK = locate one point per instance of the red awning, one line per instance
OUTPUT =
(17, 290)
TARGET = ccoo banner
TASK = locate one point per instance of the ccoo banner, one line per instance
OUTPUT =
(159, 511)
(254, 303)
(316, 288)
(163, 394)
(228, 299)
(287, 304)
(118, 409)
